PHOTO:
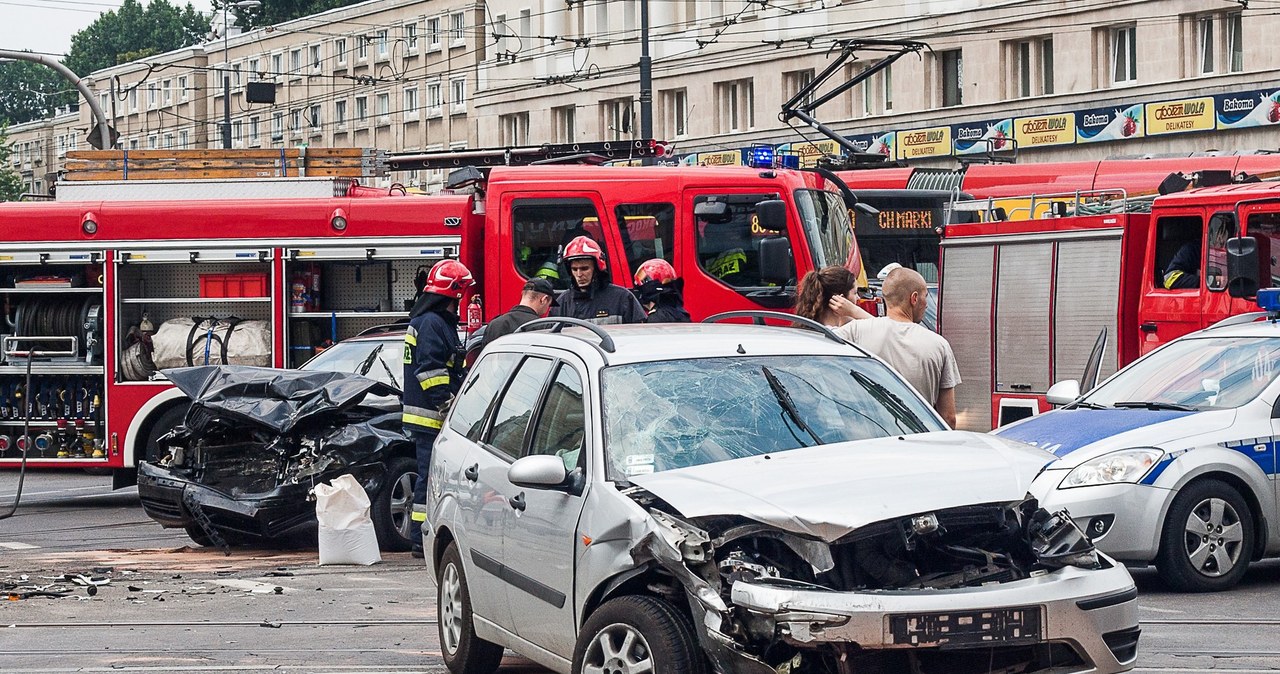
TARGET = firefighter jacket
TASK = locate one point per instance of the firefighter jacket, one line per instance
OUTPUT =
(601, 302)
(433, 369)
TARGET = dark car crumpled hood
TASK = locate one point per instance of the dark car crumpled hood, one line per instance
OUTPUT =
(277, 400)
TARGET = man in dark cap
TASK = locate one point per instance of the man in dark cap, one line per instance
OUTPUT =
(536, 300)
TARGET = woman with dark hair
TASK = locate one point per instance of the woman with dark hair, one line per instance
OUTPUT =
(813, 295)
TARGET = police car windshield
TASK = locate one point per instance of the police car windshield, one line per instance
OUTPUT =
(1198, 374)
(674, 414)
(826, 226)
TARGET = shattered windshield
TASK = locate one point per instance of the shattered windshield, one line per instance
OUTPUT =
(378, 360)
(1195, 374)
(674, 414)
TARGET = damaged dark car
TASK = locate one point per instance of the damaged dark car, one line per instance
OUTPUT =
(738, 499)
(255, 441)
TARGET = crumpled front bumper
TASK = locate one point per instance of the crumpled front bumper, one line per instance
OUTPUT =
(1083, 609)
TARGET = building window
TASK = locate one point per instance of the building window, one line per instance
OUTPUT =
(362, 48)
(1031, 64)
(410, 103)
(315, 57)
(295, 121)
(151, 142)
(616, 118)
(277, 126)
(565, 120)
(277, 65)
(362, 108)
(184, 137)
(295, 60)
(313, 115)
(433, 33)
(253, 130)
(458, 94)
(340, 113)
(1235, 43)
(384, 107)
(433, 99)
(133, 99)
(1204, 45)
(515, 128)
(1046, 66)
(951, 77)
(383, 42)
(458, 24)
(886, 81)
(151, 95)
(168, 141)
(675, 107)
(411, 36)
(1124, 55)
(182, 88)
(167, 88)
(736, 102)
(797, 80)
(235, 75)
(340, 51)
(253, 68)
(526, 23)
(237, 133)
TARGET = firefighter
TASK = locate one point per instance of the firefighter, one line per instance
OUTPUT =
(658, 290)
(432, 371)
(592, 296)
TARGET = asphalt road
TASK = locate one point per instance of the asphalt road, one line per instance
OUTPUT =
(172, 607)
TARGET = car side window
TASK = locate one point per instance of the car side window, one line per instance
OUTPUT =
(728, 238)
(1222, 226)
(648, 231)
(517, 405)
(475, 399)
(562, 425)
(1265, 228)
(542, 227)
(1178, 252)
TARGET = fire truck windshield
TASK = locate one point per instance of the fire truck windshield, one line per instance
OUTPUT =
(826, 226)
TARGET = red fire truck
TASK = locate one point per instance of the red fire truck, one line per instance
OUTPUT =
(1024, 300)
(86, 277)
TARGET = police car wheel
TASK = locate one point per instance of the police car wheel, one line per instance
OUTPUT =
(1207, 539)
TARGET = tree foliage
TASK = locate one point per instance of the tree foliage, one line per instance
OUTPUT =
(276, 11)
(11, 184)
(30, 91)
(134, 32)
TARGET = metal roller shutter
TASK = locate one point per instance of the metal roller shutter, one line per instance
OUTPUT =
(966, 287)
(1085, 305)
(1022, 318)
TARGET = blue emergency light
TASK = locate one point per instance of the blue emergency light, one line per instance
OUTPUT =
(1269, 300)
(760, 156)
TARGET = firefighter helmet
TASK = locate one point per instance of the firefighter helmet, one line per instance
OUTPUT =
(449, 278)
(656, 269)
(583, 246)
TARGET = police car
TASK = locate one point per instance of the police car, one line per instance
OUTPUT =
(1171, 460)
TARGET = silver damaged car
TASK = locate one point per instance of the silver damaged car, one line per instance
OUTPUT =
(732, 498)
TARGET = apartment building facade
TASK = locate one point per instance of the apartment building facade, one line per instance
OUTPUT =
(39, 148)
(1062, 80)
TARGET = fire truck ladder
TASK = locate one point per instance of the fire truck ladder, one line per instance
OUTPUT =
(805, 102)
(565, 153)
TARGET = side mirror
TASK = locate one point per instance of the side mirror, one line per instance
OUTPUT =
(772, 215)
(1062, 393)
(1242, 266)
(538, 472)
(868, 209)
(776, 265)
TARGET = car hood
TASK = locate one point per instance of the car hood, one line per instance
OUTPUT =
(1079, 435)
(831, 490)
(274, 399)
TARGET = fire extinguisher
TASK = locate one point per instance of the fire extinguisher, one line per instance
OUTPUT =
(312, 275)
(475, 314)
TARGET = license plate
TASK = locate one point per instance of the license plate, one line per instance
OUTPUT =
(968, 628)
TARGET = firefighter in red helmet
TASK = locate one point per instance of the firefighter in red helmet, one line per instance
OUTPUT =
(658, 290)
(433, 371)
(591, 296)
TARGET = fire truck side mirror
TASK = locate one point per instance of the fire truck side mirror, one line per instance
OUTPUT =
(771, 214)
(1242, 266)
(776, 266)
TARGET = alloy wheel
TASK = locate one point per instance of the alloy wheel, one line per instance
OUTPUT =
(402, 504)
(618, 649)
(1214, 537)
(451, 608)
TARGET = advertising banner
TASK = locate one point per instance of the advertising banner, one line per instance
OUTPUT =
(981, 137)
(723, 158)
(1192, 114)
(1247, 109)
(1104, 124)
(1045, 130)
(810, 152)
(918, 143)
(884, 144)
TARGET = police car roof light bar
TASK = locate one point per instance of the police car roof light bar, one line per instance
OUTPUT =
(557, 324)
(1269, 301)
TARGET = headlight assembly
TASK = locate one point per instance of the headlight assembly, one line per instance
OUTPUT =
(1126, 466)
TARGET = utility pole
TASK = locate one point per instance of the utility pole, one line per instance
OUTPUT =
(226, 65)
(646, 79)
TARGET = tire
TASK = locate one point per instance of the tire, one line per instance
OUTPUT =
(172, 417)
(392, 510)
(463, 651)
(198, 536)
(660, 638)
(1215, 559)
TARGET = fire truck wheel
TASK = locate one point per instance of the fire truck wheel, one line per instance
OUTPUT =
(392, 510)
(172, 417)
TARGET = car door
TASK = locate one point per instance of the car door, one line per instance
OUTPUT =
(542, 533)
(459, 461)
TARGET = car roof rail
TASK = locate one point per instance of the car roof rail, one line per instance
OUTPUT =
(558, 323)
(384, 328)
(758, 317)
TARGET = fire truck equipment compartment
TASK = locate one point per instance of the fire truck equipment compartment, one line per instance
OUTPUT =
(233, 285)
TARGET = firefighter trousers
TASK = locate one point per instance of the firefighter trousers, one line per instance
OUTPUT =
(423, 442)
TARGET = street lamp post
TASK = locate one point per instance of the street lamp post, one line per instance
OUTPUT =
(226, 67)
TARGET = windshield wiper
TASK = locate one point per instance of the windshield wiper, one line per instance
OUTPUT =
(896, 405)
(1153, 405)
(368, 361)
(1086, 405)
(784, 399)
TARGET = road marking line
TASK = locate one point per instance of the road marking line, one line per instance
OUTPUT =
(18, 546)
